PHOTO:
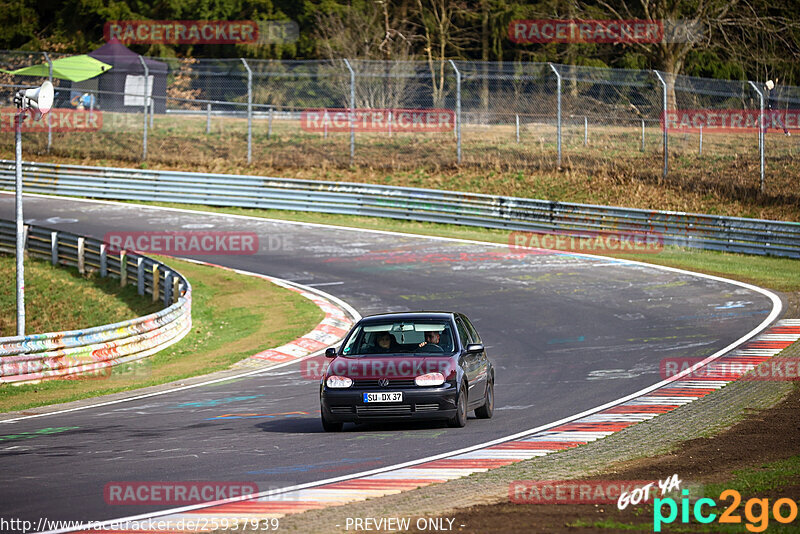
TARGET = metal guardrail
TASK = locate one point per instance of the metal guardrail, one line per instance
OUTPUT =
(94, 351)
(710, 232)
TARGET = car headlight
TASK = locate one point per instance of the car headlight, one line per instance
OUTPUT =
(339, 382)
(431, 379)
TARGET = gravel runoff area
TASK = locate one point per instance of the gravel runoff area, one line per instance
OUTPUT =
(744, 424)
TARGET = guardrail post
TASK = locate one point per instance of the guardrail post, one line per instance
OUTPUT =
(458, 111)
(249, 111)
(352, 113)
(176, 290)
(140, 275)
(760, 131)
(558, 110)
(54, 248)
(156, 282)
(123, 268)
(269, 123)
(81, 255)
(103, 260)
(664, 121)
(167, 287)
(49, 117)
(144, 107)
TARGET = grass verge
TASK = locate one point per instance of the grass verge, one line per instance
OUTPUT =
(58, 299)
(233, 317)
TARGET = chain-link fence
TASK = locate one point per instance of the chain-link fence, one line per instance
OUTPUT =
(411, 115)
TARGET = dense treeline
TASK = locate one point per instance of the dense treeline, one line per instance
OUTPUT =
(742, 39)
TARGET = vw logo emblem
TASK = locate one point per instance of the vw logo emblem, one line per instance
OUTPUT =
(383, 382)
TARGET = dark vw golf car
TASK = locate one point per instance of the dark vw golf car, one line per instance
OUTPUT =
(408, 366)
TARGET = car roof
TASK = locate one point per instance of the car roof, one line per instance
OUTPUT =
(410, 316)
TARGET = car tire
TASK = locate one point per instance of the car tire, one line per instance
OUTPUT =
(330, 426)
(459, 420)
(487, 410)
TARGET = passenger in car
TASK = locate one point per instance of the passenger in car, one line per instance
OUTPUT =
(385, 342)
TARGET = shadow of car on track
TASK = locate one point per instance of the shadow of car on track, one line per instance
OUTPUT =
(311, 425)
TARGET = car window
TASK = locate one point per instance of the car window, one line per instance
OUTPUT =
(399, 337)
(462, 333)
(472, 331)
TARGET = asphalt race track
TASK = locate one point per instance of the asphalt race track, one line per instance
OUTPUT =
(566, 333)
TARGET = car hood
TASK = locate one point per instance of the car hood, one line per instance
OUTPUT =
(400, 366)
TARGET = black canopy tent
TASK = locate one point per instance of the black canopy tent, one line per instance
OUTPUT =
(127, 75)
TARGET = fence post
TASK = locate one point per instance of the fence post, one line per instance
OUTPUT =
(49, 118)
(208, 118)
(144, 107)
(249, 111)
(54, 248)
(269, 122)
(585, 131)
(103, 260)
(558, 110)
(642, 149)
(458, 111)
(152, 110)
(664, 122)
(700, 151)
(352, 111)
(760, 131)
(517, 119)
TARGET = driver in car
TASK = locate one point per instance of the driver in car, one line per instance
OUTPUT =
(432, 338)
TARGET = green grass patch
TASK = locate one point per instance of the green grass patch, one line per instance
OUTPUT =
(58, 299)
(233, 316)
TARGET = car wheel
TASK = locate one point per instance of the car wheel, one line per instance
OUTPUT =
(459, 420)
(330, 426)
(487, 410)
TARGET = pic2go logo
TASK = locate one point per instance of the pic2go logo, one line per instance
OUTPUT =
(758, 521)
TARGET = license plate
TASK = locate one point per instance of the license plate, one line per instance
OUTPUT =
(384, 396)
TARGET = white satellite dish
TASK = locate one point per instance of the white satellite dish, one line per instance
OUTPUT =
(40, 98)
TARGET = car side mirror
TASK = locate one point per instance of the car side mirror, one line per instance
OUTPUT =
(330, 352)
(475, 347)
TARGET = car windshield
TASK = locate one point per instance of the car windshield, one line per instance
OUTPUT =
(400, 337)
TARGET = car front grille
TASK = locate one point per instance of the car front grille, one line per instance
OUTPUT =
(426, 407)
(341, 409)
(373, 384)
(397, 409)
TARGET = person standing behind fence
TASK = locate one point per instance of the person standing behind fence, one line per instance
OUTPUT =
(772, 105)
